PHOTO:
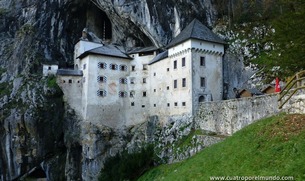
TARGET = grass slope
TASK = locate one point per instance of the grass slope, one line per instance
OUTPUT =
(269, 147)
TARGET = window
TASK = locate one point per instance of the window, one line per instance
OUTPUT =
(145, 66)
(167, 69)
(144, 80)
(176, 104)
(101, 93)
(167, 87)
(168, 104)
(202, 82)
(183, 62)
(202, 61)
(183, 82)
(102, 65)
(154, 90)
(123, 80)
(122, 94)
(144, 94)
(123, 67)
(143, 106)
(132, 93)
(155, 105)
(154, 73)
(49, 68)
(70, 81)
(183, 104)
(113, 66)
(84, 67)
(132, 103)
(133, 68)
(102, 79)
(132, 80)
(175, 84)
(175, 64)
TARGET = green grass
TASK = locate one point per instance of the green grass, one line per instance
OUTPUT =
(273, 146)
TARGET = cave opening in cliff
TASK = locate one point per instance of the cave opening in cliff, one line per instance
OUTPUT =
(99, 23)
(87, 15)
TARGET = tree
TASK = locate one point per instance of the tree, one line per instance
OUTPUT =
(287, 55)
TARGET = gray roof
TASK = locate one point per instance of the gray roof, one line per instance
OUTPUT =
(69, 72)
(159, 57)
(108, 50)
(141, 49)
(196, 30)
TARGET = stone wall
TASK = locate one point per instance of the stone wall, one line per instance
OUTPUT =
(227, 117)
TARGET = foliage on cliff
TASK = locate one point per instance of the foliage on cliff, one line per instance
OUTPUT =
(273, 146)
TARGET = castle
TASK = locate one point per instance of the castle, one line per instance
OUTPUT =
(118, 88)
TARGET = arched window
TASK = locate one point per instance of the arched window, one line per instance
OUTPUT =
(201, 99)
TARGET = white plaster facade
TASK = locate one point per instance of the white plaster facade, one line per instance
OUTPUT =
(118, 90)
(49, 69)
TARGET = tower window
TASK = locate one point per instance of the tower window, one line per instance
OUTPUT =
(132, 103)
(183, 62)
(175, 84)
(183, 104)
(202, 82)
(183, 82)
(132, 80)
(175, 64)
(132, 93)
(168, 104)
(144, 80)
(133, 68)
(49, 68)
(144, 94)
(176, 104)
(202, 61)
(145, 66)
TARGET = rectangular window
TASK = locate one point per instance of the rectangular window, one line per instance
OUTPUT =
(183, 104)
(132, 80)
(183, 62)
(202, 61)
(183, 82)
(167, 69)
(168, 104)
(84, 67)
(144, 80)
(143, 106)
(132, 103)
(154, 73)
(49, 68)
(175, 84)
(144, 94)
(145, 66)
(175, 64)
(133, 68)
(167, 87)
(202, 82)
(154, 90)
(132, 93)
(155, 105)
(176, 104)
(70, 81)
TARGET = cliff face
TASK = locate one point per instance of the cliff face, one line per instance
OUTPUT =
(39, 132)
